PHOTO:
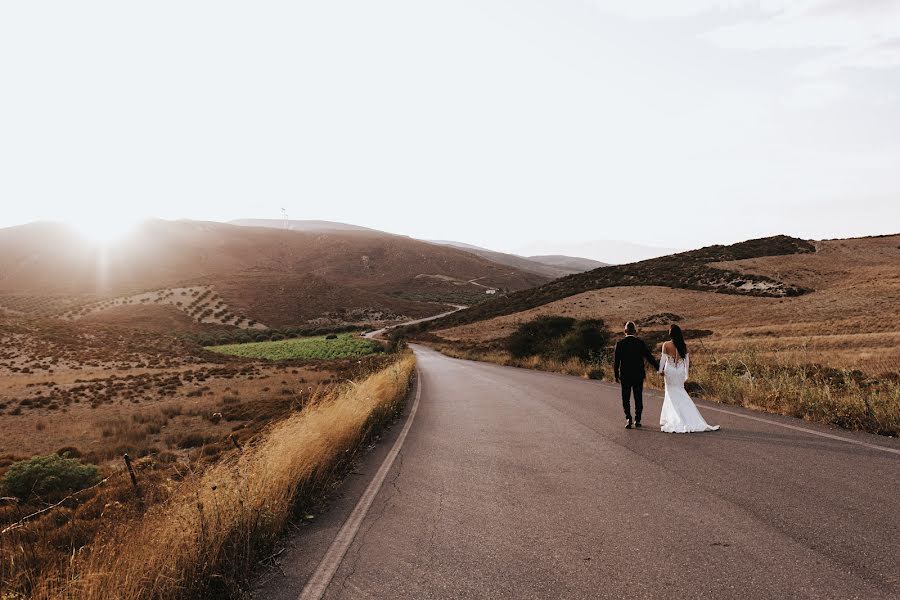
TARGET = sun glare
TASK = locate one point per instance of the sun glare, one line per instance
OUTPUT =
(104, 229)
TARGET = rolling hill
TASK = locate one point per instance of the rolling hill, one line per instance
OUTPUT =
(308, 225)
(695, 270)
(574, 264)
(547, 266)
(831, 302)
(255, 276)
(551, 267)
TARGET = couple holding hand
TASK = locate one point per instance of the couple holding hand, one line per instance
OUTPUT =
(679, 413)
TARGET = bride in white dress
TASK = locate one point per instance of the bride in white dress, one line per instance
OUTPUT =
(679, 414)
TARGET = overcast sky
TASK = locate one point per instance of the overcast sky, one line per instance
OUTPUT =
(673, 123)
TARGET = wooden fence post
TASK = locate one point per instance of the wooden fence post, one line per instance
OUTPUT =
(134, 481)
(235, 442)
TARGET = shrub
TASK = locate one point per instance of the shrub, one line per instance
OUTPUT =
(560, 338)
(48, 475)
(538, 336)
(588, 341)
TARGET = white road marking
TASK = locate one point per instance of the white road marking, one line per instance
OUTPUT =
(320, 580)
(659, 395)
(805, 430)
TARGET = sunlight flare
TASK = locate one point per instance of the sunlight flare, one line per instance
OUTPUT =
(103, 229)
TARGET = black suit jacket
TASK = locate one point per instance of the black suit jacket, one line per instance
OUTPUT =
(631, 352)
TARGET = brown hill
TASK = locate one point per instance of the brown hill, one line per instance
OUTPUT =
(263, 275)
(701, 269)
(847, 315)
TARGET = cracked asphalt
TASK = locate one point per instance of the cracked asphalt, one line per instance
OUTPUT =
(519, 484)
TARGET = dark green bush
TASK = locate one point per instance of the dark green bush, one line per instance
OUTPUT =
(588, 341)
(539, 336)
(48, 475)
(560, 338)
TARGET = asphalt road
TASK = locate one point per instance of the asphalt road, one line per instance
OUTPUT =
(519, 484)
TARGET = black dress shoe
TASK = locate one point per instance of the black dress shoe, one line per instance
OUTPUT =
(628, 424)
(637, 423)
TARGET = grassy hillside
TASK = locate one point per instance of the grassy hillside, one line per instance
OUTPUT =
(694, 270)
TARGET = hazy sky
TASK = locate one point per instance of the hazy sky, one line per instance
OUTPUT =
(668, 122)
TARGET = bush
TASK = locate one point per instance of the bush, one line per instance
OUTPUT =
(48, 475)
(588, 341)
(538, 336)
(560, 338)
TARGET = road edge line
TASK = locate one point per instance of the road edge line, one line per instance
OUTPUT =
(320, 580)
(805, 430)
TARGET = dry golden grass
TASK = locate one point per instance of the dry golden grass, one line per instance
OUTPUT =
(205, 539)
(842, 397)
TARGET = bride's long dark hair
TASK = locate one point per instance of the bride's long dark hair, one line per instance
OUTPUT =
(678, 339)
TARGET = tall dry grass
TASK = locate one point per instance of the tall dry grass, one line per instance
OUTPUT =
(845, 398)
(205, 540)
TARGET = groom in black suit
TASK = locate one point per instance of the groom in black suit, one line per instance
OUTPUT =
(631, 352)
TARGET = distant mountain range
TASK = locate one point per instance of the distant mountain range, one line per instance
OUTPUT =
(607, 251)
(575, 264)
(552, 267)
(548, 266)
(547, 258)
(300, 225)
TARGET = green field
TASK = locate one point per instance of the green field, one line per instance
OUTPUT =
(344, 346)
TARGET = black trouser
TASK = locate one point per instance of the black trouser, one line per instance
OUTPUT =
(636, 386)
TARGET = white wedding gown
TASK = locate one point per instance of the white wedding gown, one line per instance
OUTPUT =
(679, 414)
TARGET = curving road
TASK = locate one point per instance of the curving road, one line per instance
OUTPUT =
(380, 332)
(519, 484)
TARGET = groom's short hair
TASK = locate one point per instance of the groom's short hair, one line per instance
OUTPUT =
(630, 328)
